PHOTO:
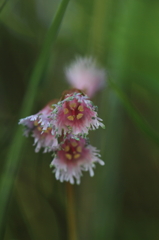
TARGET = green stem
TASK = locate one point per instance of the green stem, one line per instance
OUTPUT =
(135, 115)
(15, 150)
(3, 5)
(72, 235)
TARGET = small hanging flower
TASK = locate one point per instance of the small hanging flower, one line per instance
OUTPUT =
(84, 74)
(75, 114)
(39, 126)
(73, 157)
(62, 126)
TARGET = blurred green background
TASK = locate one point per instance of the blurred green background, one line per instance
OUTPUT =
(121, 202)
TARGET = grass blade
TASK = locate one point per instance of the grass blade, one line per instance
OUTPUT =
(13, 159)
(138, 119)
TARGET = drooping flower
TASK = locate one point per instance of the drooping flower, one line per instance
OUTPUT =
(85, 75)
(73, 157)
(75, 114)
(39, 126)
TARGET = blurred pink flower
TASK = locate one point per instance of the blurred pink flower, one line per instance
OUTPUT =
(73, 157)
(84, 74)
(39, 125)
(75, 114)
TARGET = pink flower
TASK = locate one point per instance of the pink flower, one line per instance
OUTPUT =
(85, 75)
(75, 114)
(39, 126)
(73, 157)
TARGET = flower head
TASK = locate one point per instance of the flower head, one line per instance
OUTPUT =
(39, 125)
(62, 126)
(75, 114)
(73, 157)
(85, 75)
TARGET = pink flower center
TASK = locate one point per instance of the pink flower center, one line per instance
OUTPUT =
(72, 150)
(73, 110)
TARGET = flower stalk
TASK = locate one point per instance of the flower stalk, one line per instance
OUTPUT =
(71, 218)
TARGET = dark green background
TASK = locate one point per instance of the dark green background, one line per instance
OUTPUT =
(121, 202)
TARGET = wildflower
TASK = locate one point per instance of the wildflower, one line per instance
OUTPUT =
(39, 125)
(62, 126)
(85, 75)
(75, 114)
(73, 157)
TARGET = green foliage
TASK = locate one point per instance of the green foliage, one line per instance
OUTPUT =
(121, 201)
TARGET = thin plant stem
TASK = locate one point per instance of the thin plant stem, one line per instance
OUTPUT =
(13, 158)
(72, 233)
(138, 119)
(3, 5)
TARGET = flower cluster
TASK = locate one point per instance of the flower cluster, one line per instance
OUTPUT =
(62, 127)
